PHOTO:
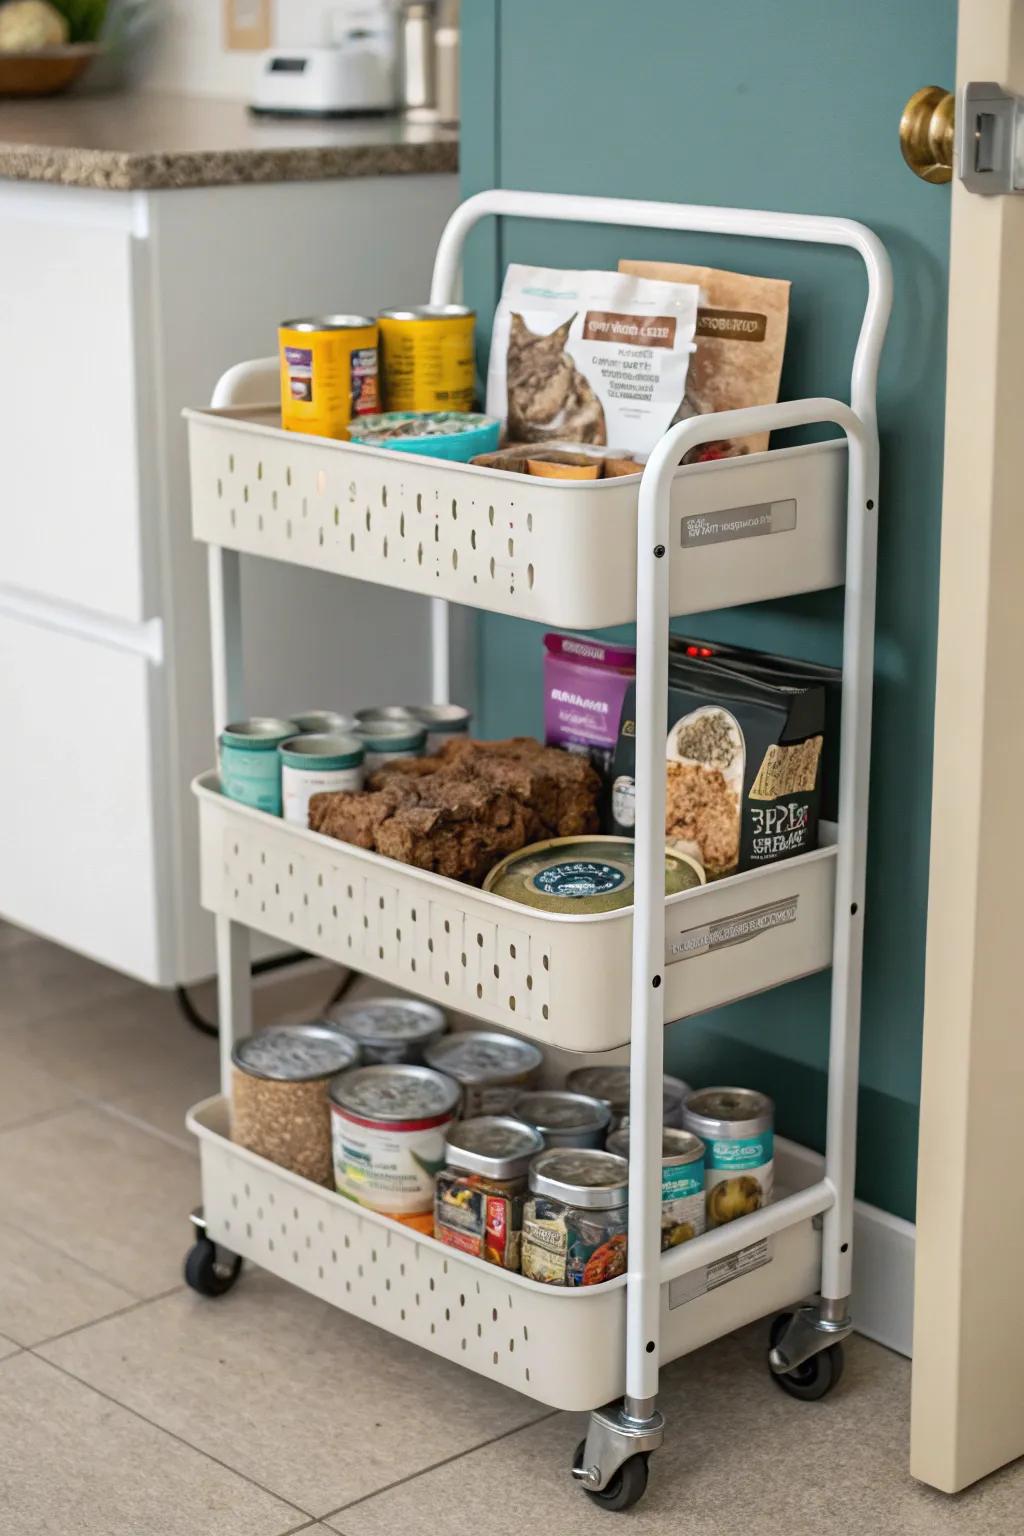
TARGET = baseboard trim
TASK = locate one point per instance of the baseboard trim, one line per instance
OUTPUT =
(883, 1256)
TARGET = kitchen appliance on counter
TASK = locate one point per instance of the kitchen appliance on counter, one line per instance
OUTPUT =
(350, 72)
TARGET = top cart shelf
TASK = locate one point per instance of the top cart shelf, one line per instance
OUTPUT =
(740, 530)
(559, 552)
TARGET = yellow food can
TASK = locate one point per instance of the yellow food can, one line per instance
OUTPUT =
(328, 373)
(427, 358)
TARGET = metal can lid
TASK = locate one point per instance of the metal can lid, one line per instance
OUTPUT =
(479, 1056)
(295, 1053)
(324, 722)
(676, 1146)
(728, 1112)
(329, 323)
(562, 1110)
(494, 1145)
(392, 735)
(393, 1093)
(612, 1085)
(262, 733)
(326, 752)
(583, 875)
(387, 1020)
(436, 717)
(581, 1176)
(429, 312)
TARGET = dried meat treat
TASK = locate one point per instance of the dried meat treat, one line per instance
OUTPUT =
(462, 811)
(355, 817)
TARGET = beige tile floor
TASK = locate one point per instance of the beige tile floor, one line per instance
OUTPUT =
(131, 1407)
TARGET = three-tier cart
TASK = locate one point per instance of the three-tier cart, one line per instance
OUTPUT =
(575, 555)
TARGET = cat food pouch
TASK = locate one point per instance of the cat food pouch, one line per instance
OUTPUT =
(744, 759)
(590, 357)
(585, 683)
(741, 337)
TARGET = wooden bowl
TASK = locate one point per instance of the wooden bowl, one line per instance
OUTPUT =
(45, 71)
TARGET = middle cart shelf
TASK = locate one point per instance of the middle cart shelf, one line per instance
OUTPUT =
(563, 981)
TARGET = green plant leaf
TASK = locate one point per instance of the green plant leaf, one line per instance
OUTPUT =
(84, 17)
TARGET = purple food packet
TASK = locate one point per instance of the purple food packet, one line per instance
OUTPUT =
(585, 683)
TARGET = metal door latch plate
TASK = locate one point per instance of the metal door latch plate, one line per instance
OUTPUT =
(989, 132)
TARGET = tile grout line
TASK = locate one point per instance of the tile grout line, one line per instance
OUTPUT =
(115, 1110)
(73, 1258)
(162, 1429)
(444, 1462)
(45, 1114)
(133, 1306)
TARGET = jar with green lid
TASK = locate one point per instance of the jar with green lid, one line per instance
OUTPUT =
(576, 1218)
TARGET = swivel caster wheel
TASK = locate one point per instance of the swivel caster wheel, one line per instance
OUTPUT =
(814, 1378)
(211, 1270)
(624, 1488)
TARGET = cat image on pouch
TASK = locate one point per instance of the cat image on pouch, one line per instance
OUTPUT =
(548, 397)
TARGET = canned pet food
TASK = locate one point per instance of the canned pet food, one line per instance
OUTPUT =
(583, 875)
(384, 740)
(565, 1119)
(388, 1127)
(313, 765)
(279, 1103)
(324, 722)
(426, 358)
(491, 1069)
(328, 373)
(736, 1127)
(612, 1085)
(440, 721)
(682, 1182)
(478, 1204)
(575, 1221)
(250, 768)
(389, 1029)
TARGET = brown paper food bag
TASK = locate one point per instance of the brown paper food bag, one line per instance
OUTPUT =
(741, 337)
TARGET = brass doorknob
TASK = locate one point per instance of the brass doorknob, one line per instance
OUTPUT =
(926, 133)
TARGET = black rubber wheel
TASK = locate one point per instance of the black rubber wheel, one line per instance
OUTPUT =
(209, 1273)
(817, 1376)
(625, 1488)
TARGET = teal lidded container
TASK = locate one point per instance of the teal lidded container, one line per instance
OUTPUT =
(250, 767)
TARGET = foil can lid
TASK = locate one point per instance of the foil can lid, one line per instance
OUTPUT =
(728, 1112)
(496, 1146)
(563, 1110)
(676, 1146)
(263, 733)
(388, 1020)
(429, 312)
(295, 1053)
(322, 751)
(480, 1056)
(581, 1176)
(329, 323)
(395, 1093)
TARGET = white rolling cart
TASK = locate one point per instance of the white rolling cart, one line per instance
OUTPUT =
(673, 542)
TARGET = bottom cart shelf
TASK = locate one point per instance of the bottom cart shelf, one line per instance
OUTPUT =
(565, 1348)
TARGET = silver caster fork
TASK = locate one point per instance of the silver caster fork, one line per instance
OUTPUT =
(611, 1463)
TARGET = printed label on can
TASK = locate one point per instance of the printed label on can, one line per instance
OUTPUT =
(365, 391)
(689, 1287)
(251, 778)
(578, 877)
(545, 1250)
(738, 1176)
(682, 1202)
(476, 1222)
(298, 785)
(299, 362)
(390, 1169)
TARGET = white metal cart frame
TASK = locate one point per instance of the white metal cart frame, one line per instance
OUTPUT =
(623, 1433)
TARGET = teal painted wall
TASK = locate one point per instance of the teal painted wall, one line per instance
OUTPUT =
(789, 104)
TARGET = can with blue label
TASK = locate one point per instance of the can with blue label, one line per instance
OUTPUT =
(250, 765)
(736, 1126)
(683, 1213)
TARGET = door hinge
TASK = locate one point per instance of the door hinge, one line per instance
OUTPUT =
(989, 134)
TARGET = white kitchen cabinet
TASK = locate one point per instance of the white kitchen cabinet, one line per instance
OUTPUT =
(120, 308)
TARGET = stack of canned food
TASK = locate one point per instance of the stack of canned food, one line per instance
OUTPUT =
(338, 370)
(449, 1134)
(276, 766)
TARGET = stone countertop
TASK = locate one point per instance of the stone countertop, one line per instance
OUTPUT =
(143, 142)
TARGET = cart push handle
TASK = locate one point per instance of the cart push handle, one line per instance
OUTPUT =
(807, 228)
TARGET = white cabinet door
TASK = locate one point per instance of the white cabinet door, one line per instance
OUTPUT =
(81, 821)
(69, 501)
